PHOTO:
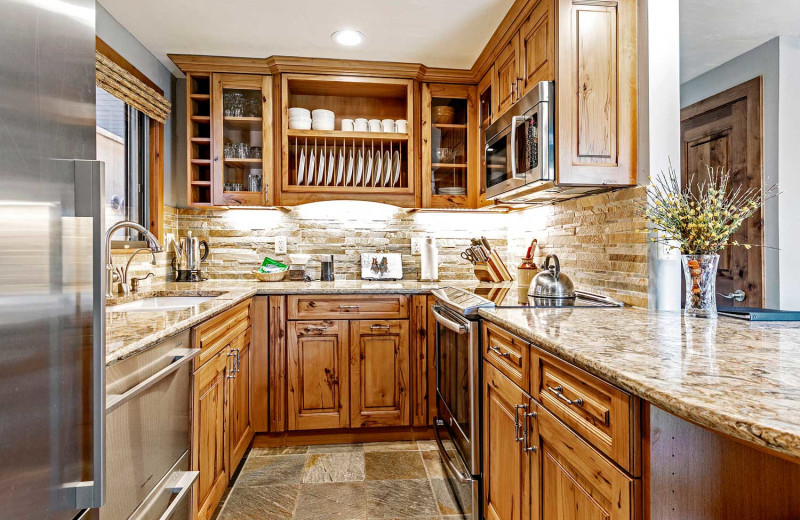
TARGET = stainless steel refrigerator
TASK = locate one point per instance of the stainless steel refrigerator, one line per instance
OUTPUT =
(51, 276)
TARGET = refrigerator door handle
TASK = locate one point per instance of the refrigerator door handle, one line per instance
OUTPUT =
(89, 197)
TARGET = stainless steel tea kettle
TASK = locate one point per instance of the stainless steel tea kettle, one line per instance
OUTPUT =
(187, 253)
(550, 282)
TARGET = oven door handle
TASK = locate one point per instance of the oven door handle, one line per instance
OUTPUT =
(458, 328)
(462, 476)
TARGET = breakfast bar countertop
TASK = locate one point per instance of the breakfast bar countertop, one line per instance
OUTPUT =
(732, 376)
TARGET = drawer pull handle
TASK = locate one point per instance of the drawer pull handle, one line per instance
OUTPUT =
(526, 433)
(517, 424)
(348, 307)
(559, 393)
(312, 328)
(379, 327)
(499, 352)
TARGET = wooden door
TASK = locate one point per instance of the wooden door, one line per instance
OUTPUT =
(379, 377)
(577, 482)
(487, 107)
(317, 359)
(596, 92)
(506, 70)
(724, 131)
(209, 447)
(240, 423)
(506, 463)
(536, 46)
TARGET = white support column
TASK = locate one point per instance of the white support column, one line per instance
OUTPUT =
(659, 128)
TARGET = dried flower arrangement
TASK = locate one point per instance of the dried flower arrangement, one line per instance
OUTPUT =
(701, 221)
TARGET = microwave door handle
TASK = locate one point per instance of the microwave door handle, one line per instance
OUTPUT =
(513, 143)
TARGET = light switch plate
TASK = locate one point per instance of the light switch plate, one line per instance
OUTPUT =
(280, 245)
(416, 244)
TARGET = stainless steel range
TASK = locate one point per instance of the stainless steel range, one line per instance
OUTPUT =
(458, 377)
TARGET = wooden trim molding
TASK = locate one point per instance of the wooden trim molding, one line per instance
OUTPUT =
(156, 180)
(104, 49)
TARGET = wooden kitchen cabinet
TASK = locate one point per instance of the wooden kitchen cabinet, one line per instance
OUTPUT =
(317, 366)
(577, 482)
(537, 46)
(507, 465)
(240, 423)
(506, 75)
(209, 416)
(379, 376)
(450, 146)
(596, 93)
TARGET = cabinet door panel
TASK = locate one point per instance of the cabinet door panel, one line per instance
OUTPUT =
(536, 46)
(379, 383)
(506, 75)
(317, 365)
(506, 464)
(240, 423)
(596, 89)
(209, 449)
(577, 481)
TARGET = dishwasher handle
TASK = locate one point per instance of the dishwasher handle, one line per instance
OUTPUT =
(462, 476)
(179, 484)
(182, 356)
(458, 328)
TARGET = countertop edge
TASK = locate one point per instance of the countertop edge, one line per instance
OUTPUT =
(735, 426)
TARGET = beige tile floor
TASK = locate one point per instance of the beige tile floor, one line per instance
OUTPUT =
(392, 480)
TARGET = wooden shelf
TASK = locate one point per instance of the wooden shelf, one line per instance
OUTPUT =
(450, 126)
(340, 134)
(201, 119)
(201, 162)
(244, 163)
(201, 140)
(200, 97)
(201, 183)
(242, 123)
(449, 165)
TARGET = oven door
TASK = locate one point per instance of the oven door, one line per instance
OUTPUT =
(519, 154)
(458, 383)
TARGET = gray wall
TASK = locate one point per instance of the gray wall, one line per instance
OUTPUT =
(115, 35)
(761, 61)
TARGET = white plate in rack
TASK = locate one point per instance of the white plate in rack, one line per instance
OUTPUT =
(368, 169)
(340, 169)
(376, 175)
(321, 169)
(350, 167)
(301, 167)
(360, 167)
(387, 168)
(311, 165)
(331, 164)
(396, 164)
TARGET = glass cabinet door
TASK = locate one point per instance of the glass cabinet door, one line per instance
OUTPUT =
(239, 139)
(449, 151)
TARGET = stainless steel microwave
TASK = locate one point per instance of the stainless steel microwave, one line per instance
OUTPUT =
(519, 145)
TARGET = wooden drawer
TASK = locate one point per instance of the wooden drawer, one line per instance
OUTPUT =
(508, 353)
(602, 414)
(347, 306)
(215, 333)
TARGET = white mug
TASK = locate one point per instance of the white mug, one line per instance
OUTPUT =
(360, 125)
(388, 125)
(348, 125)
(375, 125)
(401, 126)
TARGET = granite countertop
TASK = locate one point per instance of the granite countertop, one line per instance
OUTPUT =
(128, 333)
(732, 376)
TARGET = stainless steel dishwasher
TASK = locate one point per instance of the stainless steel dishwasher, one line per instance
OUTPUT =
(148, 417)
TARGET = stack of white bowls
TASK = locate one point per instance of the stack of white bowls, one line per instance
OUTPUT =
(322, 119)
(299, 119)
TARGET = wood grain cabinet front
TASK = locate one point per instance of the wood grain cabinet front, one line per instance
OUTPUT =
(506, 461)
(209, 417)
(240, 423)
(347, 306)
(318, 391)
(379, 376)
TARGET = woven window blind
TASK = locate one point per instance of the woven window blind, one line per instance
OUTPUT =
(122, 84)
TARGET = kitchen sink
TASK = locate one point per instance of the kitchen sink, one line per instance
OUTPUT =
(160, 303)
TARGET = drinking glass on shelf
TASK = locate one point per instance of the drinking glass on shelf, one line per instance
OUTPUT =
(236, 186)
(255, 152)
(254, 182)
(251, 107)
(242, 150)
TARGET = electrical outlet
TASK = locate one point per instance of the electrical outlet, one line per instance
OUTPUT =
(280, 245)
(170, 239)
(416, 244)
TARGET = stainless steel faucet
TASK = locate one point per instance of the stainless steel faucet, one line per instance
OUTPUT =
(111, 276)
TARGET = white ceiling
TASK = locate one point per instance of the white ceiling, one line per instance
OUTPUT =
(714, 31)
(436, 33)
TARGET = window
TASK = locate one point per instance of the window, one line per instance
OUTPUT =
(123, 138)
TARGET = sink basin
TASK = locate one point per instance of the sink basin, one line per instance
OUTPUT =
(160, 303)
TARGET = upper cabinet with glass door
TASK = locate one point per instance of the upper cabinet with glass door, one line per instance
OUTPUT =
(242, 139)
(449, 146)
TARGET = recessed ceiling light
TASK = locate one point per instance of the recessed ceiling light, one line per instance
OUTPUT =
(347, 37)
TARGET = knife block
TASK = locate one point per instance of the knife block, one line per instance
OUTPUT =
(484, 273)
